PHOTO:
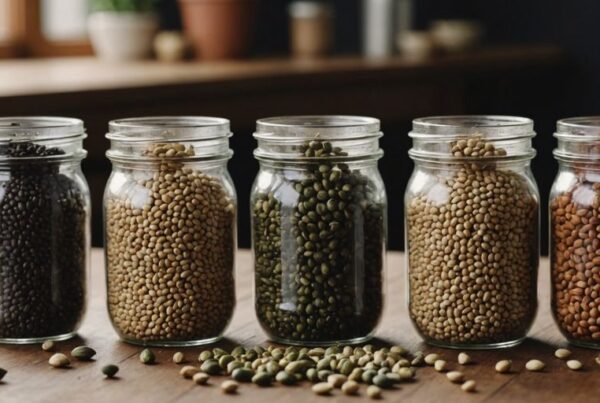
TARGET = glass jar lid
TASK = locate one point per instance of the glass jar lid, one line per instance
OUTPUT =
(200, 137)
(41, 137)
(286, 137)
(578, 138)
(472, 137)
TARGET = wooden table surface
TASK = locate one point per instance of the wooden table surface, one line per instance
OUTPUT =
(31, 379)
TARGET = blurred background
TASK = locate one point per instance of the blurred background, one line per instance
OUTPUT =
(245, 59)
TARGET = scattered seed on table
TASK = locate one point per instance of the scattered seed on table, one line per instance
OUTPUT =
(178, 357)
(575, 365)
(503, 366)
(406, 373)
(229, 387)
(83, 353)
(455, 376)
(383, 381)
(535, 365)
(147, 357)
(430, 359)
(262, 379)
(374, 392)
(336, 380)
(200, 378)
(285, 378)
(188, 371)
(464, 359)
(562, 353)
(48, 345)
(322, 388)
(469, 386)
(2, 373)
(59, 360)
(350, 388)
(211, 367)
(110, 370)
(439, 365)
(418, 359)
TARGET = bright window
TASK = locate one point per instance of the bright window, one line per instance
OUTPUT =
(64, 20)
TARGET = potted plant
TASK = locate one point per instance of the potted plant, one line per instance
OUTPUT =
(219, 29)
(123, 29)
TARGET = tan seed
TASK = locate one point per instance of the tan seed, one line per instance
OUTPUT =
(469, 386)
(201, 378)
(59, 360)
(535, 365)
(374, 392)
(188, 371)
(464, 358)
(503, 366)
(229, 386)
(455, 376)
(322, 388)
(178, 357)
(430, 359)
(562, 353)
(439, 365)
(336, 380)
(575, 365)
(48, 345)
(350, 387)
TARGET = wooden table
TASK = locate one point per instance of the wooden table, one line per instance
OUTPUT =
(31, 379)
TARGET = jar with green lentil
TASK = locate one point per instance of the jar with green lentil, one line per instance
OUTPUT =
(319, 229)
(575, 231)
(472, 231)
(44, 229)
(170, 230)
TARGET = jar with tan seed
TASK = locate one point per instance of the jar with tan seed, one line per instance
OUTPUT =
(170, 233)
(472, 231)
(575, 231)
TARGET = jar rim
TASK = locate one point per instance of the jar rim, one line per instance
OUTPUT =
(327, 127)
(39, 128)
(168, 128)
(582, 128)
(460, 126)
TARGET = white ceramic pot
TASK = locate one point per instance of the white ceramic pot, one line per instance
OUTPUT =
(122, 36)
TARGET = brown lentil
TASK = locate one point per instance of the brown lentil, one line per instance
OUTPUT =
(170, 250)
(473, 252)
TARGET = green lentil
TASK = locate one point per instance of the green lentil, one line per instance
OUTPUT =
(312, 375)
(83, 353)
(242, 374)
(262, 379)
(319, 291)
(285, 378)
(211, 367)
(383, 381)
(147, 357)
(110, 370)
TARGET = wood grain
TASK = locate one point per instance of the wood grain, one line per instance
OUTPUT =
(31, 379)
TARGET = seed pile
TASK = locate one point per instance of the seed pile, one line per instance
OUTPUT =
(473, 252)
(575, 247)
(170, 249)
(42, 246)
(318, 257)
(339, 367)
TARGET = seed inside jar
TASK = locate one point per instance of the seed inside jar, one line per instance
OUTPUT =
(472, 244)
(318, 245)
(170, 249)
(575, 225)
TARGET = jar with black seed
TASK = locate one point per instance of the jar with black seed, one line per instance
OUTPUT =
(170, 230)
(318, 209)
(44, 229)
(472, 231)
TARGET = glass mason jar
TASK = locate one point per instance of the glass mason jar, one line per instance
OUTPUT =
(44, 229)
(319, 229)
(574, 231)
(170, 230)
(472, 231)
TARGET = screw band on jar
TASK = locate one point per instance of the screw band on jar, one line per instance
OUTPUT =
(319, 240)
(574, 229)
(43, 231)
(472, 244)
(170, 236)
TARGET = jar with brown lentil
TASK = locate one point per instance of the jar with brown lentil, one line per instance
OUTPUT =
(575, 231)
(170, 230)
(319, 229)
(44, 229)
(472, 231)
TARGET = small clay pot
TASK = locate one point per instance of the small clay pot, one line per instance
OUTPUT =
(219, 29)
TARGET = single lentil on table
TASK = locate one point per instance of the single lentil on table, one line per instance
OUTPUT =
(170, 256)
(575, 225)
(314, 280)
(42, 246)
(473, 256)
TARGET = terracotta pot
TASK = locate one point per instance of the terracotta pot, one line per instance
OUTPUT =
(219, 29)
